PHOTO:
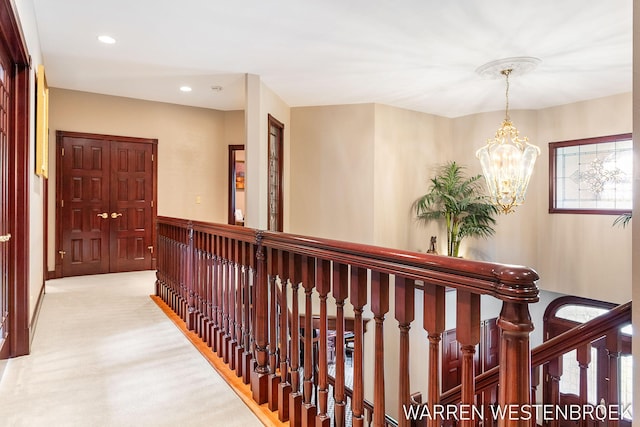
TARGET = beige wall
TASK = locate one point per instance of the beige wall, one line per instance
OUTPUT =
(192, 147)
(582, 254)
(331, 191)
(358, 185)
(408, 145)
(261, 102)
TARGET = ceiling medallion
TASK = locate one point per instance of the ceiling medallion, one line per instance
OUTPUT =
(518, 65)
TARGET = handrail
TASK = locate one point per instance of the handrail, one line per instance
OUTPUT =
(555, 347)
(222, 279)
(504, 281)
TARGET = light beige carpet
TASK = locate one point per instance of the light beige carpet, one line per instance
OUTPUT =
(104, 354)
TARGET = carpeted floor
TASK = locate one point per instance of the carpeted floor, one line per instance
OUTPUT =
(104, 354)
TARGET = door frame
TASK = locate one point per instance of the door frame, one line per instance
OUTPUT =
(60, 134)
(19, 173)
(232, 181)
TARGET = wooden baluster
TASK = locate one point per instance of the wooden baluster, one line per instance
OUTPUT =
(259, 377)
(434, 324)
(535, 383)
(515, 360)
(239, 307)
(184, 277)
(189, 283)
(324, 286)
(180, 271)
(284, 389)
(468, 335)
(210, 289)
(379, 307)
(358, 299)
(340, 293)
(613, 343)
(224, 262)
(233, 283)
(195, 284)
(295, 398)
(217, 261)
(252, 277)
(178, 277)
(224, 304)
(583, 357)
(202, 298)
(405, 314)
(274, 378)
(553, 386)
(308, 283)
(247, 356)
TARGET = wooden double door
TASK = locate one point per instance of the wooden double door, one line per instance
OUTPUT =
(106, 203)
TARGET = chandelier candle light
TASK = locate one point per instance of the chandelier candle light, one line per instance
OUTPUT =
(508, 159)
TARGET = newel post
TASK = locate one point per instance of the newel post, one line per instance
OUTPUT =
(259, 377)
(191, 308)
(515, 355)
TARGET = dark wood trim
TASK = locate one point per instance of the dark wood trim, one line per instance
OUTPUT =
(60, 134)
(154, 209)
(231, 182)
(20, 342)
(552, 174)
(103, 137)
(45, 229)
(338, 268)
(58, 208)
(11, 33)
(555, 347)
(36, 311)
(18, 181)
(272, 121)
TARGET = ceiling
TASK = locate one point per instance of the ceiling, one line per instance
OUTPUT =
(414, 54)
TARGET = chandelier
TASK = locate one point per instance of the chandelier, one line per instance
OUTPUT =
(508, 159)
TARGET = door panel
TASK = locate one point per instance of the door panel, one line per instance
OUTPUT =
(131, 206)
(85, 200)
(107, 188)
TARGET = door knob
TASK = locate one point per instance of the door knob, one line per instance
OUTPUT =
(115, 215)
(5, 238)
(103, 215)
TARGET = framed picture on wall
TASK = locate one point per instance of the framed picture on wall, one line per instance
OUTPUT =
(42, 124)
(240, 175)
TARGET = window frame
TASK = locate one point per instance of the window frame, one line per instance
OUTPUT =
(552, 174)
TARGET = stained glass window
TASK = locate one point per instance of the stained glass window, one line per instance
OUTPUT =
(591, 175)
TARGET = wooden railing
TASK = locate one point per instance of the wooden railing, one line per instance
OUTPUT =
(550, 354)
(236, 286)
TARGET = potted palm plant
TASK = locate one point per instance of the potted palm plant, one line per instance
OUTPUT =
(461, 202)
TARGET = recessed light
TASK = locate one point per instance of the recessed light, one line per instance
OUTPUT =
(185, 88)
(106, 39)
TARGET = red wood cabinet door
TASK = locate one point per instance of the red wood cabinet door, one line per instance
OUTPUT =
(131, 213)
(84, 207)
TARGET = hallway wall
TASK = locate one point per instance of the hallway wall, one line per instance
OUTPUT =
(192, 148)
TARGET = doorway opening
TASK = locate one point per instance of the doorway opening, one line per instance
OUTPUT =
(237, 171)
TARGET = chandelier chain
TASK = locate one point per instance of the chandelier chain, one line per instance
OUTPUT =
(506, 74)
